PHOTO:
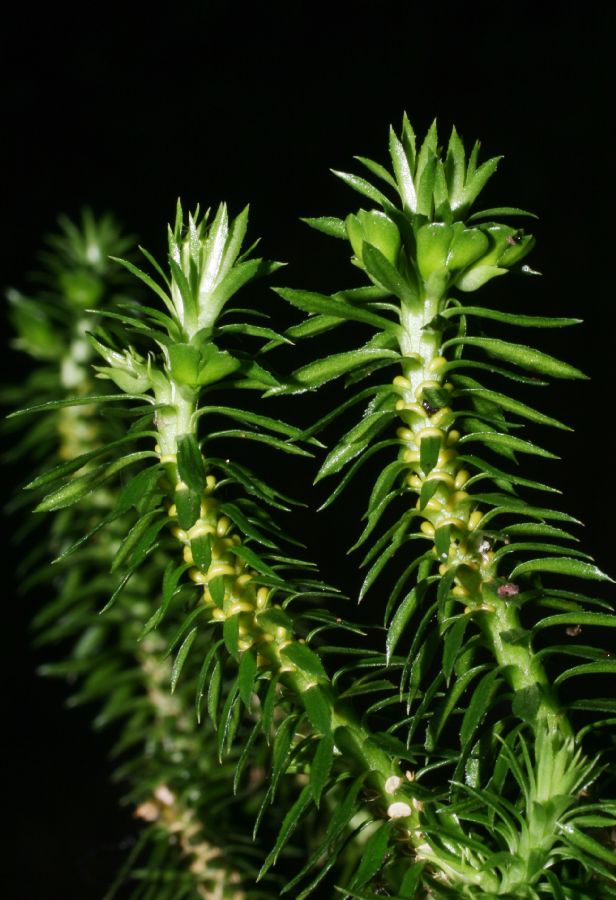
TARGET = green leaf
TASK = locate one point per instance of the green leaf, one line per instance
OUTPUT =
(321, 371)
(501, 211)
(378, 267)
(429, 449)
(539, 530)
(411, 881)
(243, 415)
(74, 401)
(67, 468)
(510, 318)
(329, 225)
(311, 302)
(452, 645)
(444, 710)
(588, 845)
(562, 566)
(216, 587)
(514, 406)
(80, 487)
(136, 489)
(509, 441)
(245, 525)
(213, 695)
(401, 618)
(280, 751)
(442, 540)
(171, 579)
(229, 721)
(354, 442)
(274, 617)
(191, 467)
(318, 706)
(269, 706)
(260, 438)
(188, 308)
(320, 767)
(398, 539)
(218, 364)
(231, 634)
(139, 540)
(246, 754)
(188, 507)
(602, 667)
(464, 363)
(479, 705)
(246, 676)
(201, 549)
(519, 355)
(340, 408)
(158, 290)
(255, 561)
(363, 187)
(476, 183)
(210, 658)
(402, 171)
(313, 326)
(579, 617)
(500, 474)
(289, 824)
(304, 659)
(180, 659)
(527, 702)
(378, 170)
(373, 855)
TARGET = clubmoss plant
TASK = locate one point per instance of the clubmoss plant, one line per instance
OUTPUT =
(439, 761)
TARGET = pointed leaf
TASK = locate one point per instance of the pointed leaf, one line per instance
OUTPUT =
(479, 705)
(510, 318)
(246, 676)
(305, 659)
(508, 441)
(180, 659)
(320, 767)
(519, 355)
(323, 370)
(373, 855)
(289, 824)
(191, 467)
(329, 225)
(562, 566)
(311, 302)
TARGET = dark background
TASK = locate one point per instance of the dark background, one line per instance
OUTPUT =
(125, 107)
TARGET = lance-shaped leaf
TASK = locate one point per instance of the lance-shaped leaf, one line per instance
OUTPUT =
(562, 566)
(520, 355)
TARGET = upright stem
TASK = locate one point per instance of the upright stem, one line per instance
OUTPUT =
(450, 507)
(243, 609)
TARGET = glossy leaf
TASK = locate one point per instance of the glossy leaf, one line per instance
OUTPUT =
(329, 225)
(320, 767)
(320, 372)
(517, 319)
(509, 441)
(479, 705)
(373, 855)
(304, 659)
(180, 658)
(246, 676)
(520, 355)
(562, 566)
(289, 824)
(311, 302)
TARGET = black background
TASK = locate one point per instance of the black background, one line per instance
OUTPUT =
(126, 107)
